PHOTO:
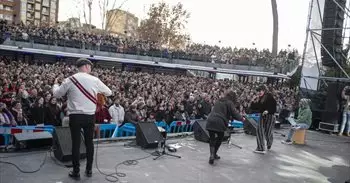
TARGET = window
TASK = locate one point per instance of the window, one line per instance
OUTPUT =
(1, 6)
(45, 18)
(8, 17)
(36, 22)
(46, 3)
(53, 5)
(37, 7)
(45, 10)
(8, 8)
(1, 16)
(37, 15)
(30, 7)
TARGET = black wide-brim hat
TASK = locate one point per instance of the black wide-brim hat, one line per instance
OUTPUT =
(83, 61)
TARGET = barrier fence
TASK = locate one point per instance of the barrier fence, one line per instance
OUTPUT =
(111, 130)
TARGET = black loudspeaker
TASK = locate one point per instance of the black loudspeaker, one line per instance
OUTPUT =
(331, 111)
(148, 135)
(249, 126)
(201, 134)
(332, 100)
(33, 140)
(333, 17)
(62, 144)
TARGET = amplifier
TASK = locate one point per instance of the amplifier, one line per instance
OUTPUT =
(329, 127)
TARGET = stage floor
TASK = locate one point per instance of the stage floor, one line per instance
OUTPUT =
(325, 158)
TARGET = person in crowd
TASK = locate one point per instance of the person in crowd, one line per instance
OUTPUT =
(217, 122)
(102, 115)
(131, 115)
(83, 89)
(18, 114)
(53, 113)
(204, 106)
(181, 114)
(6, 117)
(346, 112)
(267, 108)
(38, 112)
(303, 121)
(160, 114)
(117, 112)
(47, 99)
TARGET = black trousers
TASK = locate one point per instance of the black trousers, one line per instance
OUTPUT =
(215, 139)
(76, 123)
(265, 130)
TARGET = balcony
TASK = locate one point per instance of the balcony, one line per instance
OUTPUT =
(31, 1)
(112, 51)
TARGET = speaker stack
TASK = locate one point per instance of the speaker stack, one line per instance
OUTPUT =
(331, 115)
(332, 39)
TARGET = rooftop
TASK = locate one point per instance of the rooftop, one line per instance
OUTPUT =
(325, 158)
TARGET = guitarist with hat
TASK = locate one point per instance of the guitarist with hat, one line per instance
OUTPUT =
(81, 90)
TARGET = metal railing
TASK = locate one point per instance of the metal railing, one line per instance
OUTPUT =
(135, 52)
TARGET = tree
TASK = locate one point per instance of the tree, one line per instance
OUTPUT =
(89, 5)
(165, 25)
(275, 28)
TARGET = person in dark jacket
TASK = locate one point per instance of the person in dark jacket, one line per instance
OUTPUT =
(266, 106)
(52, 113)
(38, 112)
(223, 111)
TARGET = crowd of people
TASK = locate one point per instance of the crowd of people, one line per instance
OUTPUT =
(26, 95)
(105, 42)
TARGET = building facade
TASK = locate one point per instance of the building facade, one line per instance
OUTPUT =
(7, 10)
(122, 23)
(36, 12)
(71, 23)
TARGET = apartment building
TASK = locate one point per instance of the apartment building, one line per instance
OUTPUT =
(7, 10)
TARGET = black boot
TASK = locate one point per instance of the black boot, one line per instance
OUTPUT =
(216, 155)
(212, 155)
(74, 175)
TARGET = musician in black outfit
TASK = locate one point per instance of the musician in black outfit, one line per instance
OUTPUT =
(217, 122)
(267, 108)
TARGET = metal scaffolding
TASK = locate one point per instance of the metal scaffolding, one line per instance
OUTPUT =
(313, 44)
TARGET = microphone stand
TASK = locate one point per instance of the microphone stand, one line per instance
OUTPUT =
(229, 141)
(164, 153)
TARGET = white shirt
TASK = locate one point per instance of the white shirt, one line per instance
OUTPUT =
(117, 114)
(78, 103)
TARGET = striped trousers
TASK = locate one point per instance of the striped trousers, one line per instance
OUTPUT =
(264, 130)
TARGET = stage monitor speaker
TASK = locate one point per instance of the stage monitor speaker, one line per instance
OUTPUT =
(33, 140)
(201, 134)
(62, 145)
(148, 135)
(332, 38)
(249, 126)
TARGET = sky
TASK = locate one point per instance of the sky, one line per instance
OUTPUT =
(236, 23)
